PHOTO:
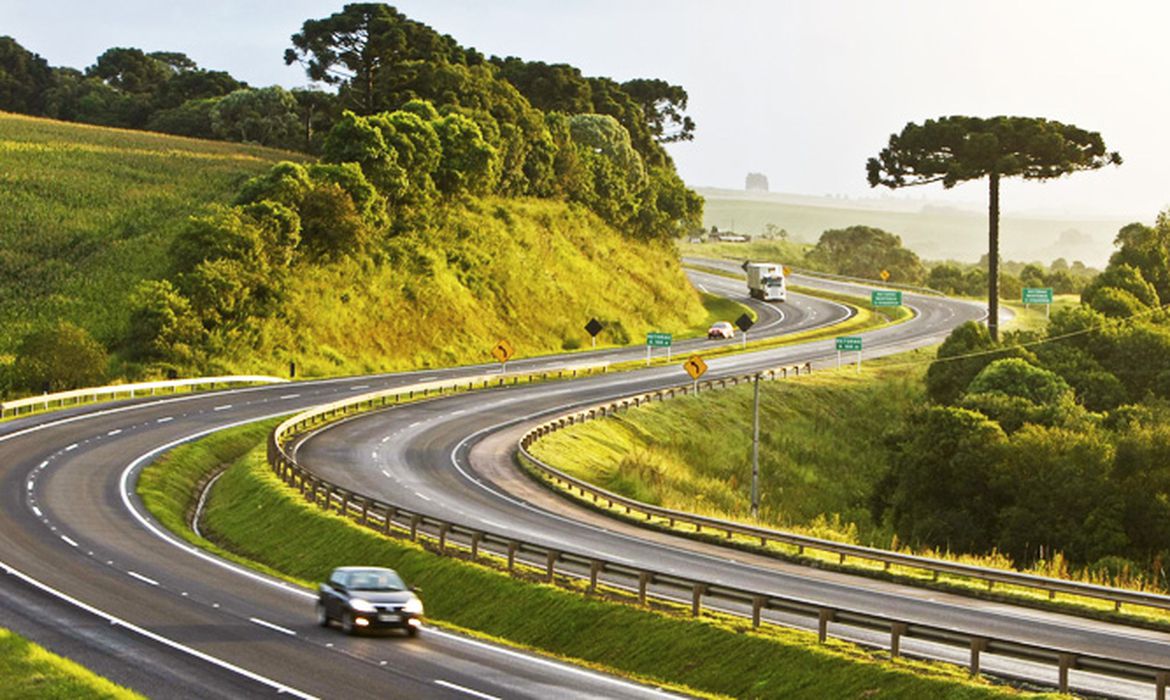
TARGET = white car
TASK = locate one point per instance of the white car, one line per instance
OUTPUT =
(722, 329)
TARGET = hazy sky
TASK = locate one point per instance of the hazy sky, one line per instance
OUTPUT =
(803, 92)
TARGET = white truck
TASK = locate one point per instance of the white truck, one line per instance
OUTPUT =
(766, 281)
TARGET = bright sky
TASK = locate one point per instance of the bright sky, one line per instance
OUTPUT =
(803, 92)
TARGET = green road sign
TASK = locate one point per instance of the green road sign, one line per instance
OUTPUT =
(1037, 295)
(885, 297)
(849, 343)
(658, 340)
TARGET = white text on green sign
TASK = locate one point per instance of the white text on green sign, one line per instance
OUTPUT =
(1037, 295)
(849, 343)
(885, 297)
(658, 340)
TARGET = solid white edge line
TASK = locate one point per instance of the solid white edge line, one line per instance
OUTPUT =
(300, 592)
(468, 691)
(142, 578)
(279, 687)
(269, 625)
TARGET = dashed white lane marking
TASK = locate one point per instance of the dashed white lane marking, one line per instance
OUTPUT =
(43, 464)
(269, 625)
(387, 474)
(458, 411)
(71, 447)
(425, 498)
(286, 397)
(37, 511)
(374, 454)
(30, 485)
(468, 691)
(114, 432)
(68, 541)
(142, 578)
(359, 387)
(166, 419)
(417, 422)
(224, 407)
(386, 439)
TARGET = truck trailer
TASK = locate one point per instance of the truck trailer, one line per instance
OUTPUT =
(766, 281)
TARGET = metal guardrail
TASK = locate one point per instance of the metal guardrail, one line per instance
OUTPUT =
(935, 567)
(78, 396)
(448, 537)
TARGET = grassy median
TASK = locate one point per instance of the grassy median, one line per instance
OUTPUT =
(262, 522)
(28, 670)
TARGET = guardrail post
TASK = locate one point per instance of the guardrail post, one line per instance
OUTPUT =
(697, 592)
(365, 512)
(551, 565)
(978, 646)
(345, 495)
(475, 538)
(1160, 682)
(595, 568)
(643, 581)
(390, 512)
(414, 521)
(897, 629)
(757, 606)
(1067, 661)
(824, 617)
(513, 545)
(443, 530)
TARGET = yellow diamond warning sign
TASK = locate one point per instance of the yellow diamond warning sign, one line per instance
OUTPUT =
(503, 351)
(695, 366)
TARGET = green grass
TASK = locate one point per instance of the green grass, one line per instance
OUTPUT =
(88, 211)
(27, 670)
(259, 519)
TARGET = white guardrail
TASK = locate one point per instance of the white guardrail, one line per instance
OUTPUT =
(78, 396)
(445, 537)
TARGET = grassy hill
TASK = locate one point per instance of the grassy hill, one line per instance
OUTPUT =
(92, 211)
(934, 232)
(89, 211)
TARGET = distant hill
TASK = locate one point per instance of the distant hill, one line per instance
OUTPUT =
(934, 231)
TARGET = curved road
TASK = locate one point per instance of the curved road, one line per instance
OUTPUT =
(94, 578)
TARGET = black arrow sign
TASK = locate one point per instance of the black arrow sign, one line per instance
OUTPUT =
(744, 322)
(593, 327)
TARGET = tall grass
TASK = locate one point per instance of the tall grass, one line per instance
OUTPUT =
(28, 670)
(88, 211)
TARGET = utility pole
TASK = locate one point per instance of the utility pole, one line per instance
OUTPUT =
(756, 451)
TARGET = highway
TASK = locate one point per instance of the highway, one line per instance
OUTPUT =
(91, 576)
(454, 459)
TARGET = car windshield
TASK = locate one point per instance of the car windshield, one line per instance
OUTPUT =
(376, 580)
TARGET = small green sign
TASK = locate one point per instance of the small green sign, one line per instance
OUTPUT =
(885, 297)
(849, 343)
(1037, 295)
(658, 340)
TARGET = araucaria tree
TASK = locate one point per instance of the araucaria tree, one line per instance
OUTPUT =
(955, 149)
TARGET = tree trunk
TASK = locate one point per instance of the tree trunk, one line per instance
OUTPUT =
(993, 259)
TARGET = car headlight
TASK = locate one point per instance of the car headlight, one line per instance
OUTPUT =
(414, 606)
(361, 605)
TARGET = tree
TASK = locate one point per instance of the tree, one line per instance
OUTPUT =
(59, 358)
(353, 47)
(663, 105)
(163, 327)
(863, 251)
(267, 116)
(956, 149)
(130, 70)
(24, 78)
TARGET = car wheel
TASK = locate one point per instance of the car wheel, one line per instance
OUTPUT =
(411, 631)
(322, 615)
(347, 625)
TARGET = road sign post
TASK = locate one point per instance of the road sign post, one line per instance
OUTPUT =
(503, 351)
(593, 328)
(756, 450)
(744, 322)
(849, 343)
(658, 340)
(1038, 295)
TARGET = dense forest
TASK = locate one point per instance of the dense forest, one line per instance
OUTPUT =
(1050, 442)
(417, 138)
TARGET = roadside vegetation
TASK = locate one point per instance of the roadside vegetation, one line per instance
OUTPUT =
(250, 514)
(1045, 452)
(30, 671)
